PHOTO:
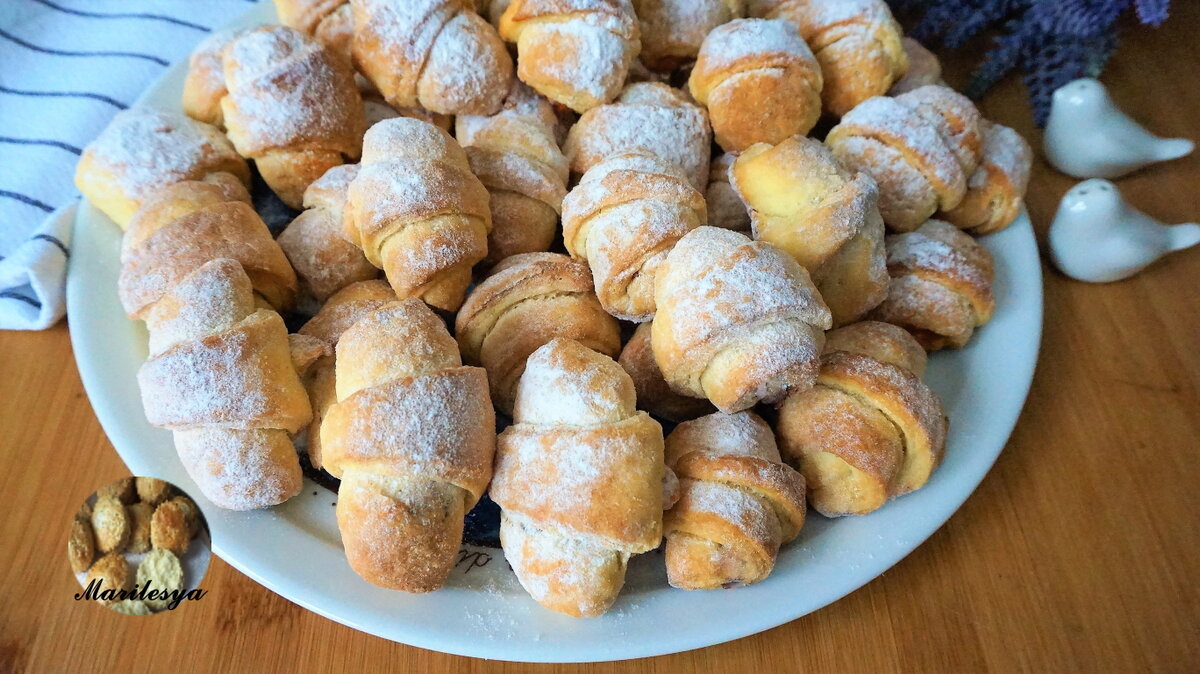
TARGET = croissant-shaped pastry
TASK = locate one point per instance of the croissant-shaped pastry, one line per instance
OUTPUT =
(738, 502)
(292, 107)
(527, 301)
(870, 429)
(436, 54)
(345, 308)
(941, 287)
(574, 52)
(144, 150)
(919, 147)
(802, 200)
(204, 85)
(759, 81)
(579, 479)
(329, 21)
(857, 43)
(648, 117)
(516, 156)
(996, 191)
(622, 219)
(418, 212)
(322, 257)
(653, 393)
(923, 68)
(220, 375)
(190, 223)
(492, 10)
(739, 322)
(672, 30)
(412, 437)
(725, 208)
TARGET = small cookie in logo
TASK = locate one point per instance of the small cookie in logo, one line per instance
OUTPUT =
(139, 546)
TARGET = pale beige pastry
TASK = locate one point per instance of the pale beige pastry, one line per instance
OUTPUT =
(192, 513)
(803, 200)
(123, 489)
(412, 437)
(527, 301)
(869, 430)
(672, 30)
(418, 212)
(142, 151)
(996, 191)
(140, 515)
(857, 43)
(130, 607)
(204, 85)
(110, 524)
(517, 158)
(344, 309)
(112, 572)
(941, 287)
(81, 546)
(169, 528)
(152, 490)
(162, 571)
(574, 52)
(649, 118)
(579, 479)
(759, 81)
(220, 375)
(653, 393)
(739, 322)
(920, 147)
(323, 259)
(923, 68)
(725, 208)
(188, 224)
(436, 54)
(329, 21)
(292, 106)
(738, 502)
(622, 219)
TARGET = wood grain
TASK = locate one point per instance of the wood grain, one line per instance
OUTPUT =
(1079, 552)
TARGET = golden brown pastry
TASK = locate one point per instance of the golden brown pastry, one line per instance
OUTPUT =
(759, 81)
(322, 257)
(622, 219)
(923, 68)
(857, 43)
(112, 572)
(941, 287)
(204, 86)
(329, 21)
(144, 150)
(738, 502)
(418, 212)
(81, 546)
(650, 118)
(527, 301)
(574, 52)
(804, 201)
(436, 54)
(110, 524)
(996, 191)
(345, 308)
(140, 515)
(412, 438)
(191, 513)
(725, 208)
(515, 155)
(653, 393)
(188, 224)
(220, 375)
(292, 106)
(919, 147)
(869, 430)
(123, 489)
(169, 529)
(672, 30)
(579, 479)
(160, 570)
(739, 321)
(152, 490)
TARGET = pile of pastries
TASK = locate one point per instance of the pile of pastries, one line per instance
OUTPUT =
(745, 290)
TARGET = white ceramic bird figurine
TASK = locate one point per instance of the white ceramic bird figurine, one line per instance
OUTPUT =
(1097, 237)
(1087, 136)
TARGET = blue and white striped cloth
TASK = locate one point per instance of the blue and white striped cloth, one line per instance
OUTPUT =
(66, 67)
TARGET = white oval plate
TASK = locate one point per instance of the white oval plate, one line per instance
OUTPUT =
(294, 549)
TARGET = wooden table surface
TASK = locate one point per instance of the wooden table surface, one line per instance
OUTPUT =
(1079, 552)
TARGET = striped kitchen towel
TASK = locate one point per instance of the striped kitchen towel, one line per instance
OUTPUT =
(66, 67)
